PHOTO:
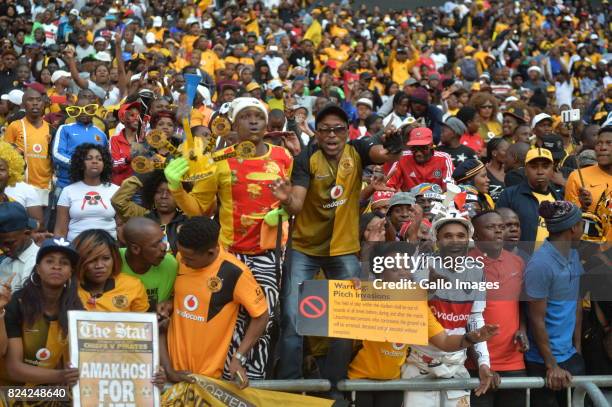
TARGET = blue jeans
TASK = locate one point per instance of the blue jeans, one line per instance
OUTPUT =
(304, 267)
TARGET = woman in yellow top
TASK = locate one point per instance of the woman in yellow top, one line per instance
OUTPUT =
(37, 319)
(487, 108)
(383, 360)
(102, 285)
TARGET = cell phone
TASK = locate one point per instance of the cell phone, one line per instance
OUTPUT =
(571, 115)
(273, 48)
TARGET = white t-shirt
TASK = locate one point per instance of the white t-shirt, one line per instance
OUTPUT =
(25, 194)
(89, 208)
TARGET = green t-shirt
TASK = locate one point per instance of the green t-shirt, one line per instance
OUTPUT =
(158, 281)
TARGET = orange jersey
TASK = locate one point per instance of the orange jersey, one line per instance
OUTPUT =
(243, 189)
(206, 304)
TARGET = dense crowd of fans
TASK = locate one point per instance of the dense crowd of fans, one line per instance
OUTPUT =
(203, 160)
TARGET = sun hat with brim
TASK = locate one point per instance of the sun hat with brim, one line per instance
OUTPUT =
(331, 109)
(402, 198)
(57, 244)
(451, 216)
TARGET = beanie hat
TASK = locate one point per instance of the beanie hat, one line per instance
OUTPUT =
(560, 215)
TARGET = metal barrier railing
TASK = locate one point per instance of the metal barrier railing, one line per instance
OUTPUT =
(585, 385)
(302, 386)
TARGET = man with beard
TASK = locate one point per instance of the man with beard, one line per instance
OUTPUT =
(145, 258)
(525, 198)
(552, 282)
(421, 163)
(506, 269)
(32, 137)
(457, 310)
(241, 188)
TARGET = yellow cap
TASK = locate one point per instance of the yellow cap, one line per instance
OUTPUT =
(538, 153)
(469, 49)
(252, 86)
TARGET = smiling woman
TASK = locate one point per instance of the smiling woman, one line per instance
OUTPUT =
(86, 203)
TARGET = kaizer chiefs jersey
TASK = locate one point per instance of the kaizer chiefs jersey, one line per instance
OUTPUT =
(206, 303)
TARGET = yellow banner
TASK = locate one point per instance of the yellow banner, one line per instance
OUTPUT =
(216, 393)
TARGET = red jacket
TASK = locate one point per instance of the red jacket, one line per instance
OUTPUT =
(407, 173)
(121, 152)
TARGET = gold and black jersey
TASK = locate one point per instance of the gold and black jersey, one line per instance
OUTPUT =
(44, 344)
(328, 224)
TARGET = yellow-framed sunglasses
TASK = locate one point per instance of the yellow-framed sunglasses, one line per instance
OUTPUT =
(89, 110)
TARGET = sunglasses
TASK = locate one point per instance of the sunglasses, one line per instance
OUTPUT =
(326, 131)
(89, 110)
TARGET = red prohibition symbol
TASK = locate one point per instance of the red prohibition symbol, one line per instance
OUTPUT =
(313, 307)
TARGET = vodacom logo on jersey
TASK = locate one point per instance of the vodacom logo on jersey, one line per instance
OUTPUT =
(43, 354)
(191, 302)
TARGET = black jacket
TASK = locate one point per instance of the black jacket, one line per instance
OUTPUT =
(520, 199)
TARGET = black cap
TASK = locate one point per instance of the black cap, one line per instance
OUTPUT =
(331, 109)
(365, 75)
(554, 144)
(13, 217)
(58, 244)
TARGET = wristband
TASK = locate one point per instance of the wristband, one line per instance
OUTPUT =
(241, 358)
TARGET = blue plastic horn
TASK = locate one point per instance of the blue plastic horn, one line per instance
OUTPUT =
(191, 86)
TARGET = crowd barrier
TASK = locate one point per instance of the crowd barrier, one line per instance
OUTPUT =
(583, 385)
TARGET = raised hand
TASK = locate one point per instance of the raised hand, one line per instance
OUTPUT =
(281, 189)
(5, 291)
(175, 171)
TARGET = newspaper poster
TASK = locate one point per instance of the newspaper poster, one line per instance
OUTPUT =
(117, 354)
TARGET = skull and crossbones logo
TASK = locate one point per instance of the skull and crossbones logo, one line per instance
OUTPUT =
(92, 198)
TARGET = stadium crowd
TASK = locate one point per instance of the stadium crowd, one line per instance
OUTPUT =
(202, 160)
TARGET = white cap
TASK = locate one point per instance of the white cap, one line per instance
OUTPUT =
(534, 69)
(608, 121)
(568, 19)
(242, 103)
(207, 25)
(275, 84)
(594, 37)
(112, 10)
(451, 216)
(511, 99)
(15, 97)
(103, 56)
(361, 21)
(99, 39)
(205, 93)
(365, 101)
(540, 117)
(150, 38)
(135, 77)
(74, 12)
(157, 21)
(59, 74)
(192, 20)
